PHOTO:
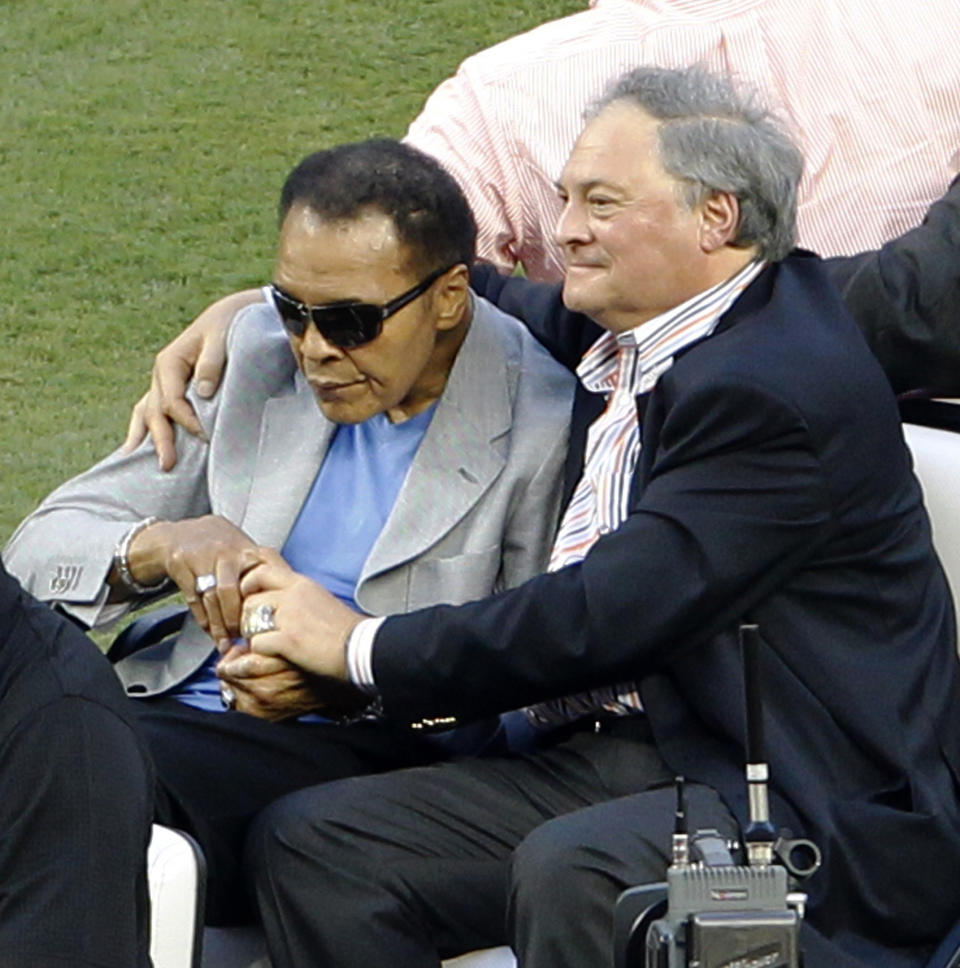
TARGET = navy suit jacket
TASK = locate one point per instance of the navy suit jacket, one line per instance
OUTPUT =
(773, 484)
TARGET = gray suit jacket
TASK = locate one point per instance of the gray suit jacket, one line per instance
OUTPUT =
(476, 513)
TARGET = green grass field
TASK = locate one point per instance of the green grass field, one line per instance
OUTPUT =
(142, 147)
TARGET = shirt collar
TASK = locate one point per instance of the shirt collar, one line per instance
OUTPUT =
(635, 359)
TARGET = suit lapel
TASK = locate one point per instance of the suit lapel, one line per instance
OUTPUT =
(462, 452)
(753, 299)
(294, 436)
(650, 413)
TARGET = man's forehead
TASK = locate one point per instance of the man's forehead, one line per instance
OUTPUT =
(369, 227)
(323, 260)
(617, 143)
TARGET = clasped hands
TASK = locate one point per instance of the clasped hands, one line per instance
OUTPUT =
(292, 664)
(294, 660)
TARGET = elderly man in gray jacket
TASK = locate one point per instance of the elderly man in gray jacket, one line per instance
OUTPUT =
(402, 443)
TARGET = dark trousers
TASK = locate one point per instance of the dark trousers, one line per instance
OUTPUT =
(410, 867)
(216, 771)
(75, 800)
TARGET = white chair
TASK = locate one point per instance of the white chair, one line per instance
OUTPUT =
(501, 957)
(177, 875)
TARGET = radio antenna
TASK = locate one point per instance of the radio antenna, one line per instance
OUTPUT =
(681, 836)
(759, 835)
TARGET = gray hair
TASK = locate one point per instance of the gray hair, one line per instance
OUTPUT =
(713, 138)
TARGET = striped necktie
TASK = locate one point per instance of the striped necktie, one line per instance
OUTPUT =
(599, 504)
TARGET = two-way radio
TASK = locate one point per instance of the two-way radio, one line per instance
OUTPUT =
(713, 912)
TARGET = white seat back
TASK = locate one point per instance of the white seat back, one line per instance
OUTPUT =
(936, 458)
(487, 958)
(177, 878)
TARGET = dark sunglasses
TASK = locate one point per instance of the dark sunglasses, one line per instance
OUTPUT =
(347, 323)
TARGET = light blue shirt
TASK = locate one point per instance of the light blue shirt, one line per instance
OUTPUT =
(348, 505)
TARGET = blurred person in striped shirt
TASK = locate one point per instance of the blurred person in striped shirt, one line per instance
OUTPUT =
(870, 89)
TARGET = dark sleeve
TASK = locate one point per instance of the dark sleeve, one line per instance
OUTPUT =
(906, 298)
(45, 656)
(735, 503)
(9, 590)
(538, 305)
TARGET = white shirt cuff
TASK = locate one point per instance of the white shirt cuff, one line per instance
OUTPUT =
(360, 654)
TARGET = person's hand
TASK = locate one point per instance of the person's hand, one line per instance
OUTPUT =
(200, 352)
(310, 626)
(268, 687)
(209, 550)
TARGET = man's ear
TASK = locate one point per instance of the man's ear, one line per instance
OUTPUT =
(719, 221)
(451, 297)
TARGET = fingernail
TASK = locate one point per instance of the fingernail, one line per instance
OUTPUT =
(205, 388)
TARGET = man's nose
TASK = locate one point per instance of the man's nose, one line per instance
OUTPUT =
(315, 346)
(572, 226)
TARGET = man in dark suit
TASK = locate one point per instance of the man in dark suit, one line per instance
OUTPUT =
(76, 798)
(748, 463)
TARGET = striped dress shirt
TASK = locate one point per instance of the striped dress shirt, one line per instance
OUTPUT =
(622, 367)
(869, 88)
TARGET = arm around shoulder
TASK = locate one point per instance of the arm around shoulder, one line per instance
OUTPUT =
(539, 306)
(196, 357)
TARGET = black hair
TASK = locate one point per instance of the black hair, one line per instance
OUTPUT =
(429, 211)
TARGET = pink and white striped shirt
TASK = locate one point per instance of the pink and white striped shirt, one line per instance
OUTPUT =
(870, 88)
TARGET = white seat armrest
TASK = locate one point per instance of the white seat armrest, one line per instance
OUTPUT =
(177, 876)
(936, 462)
(487, 958)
